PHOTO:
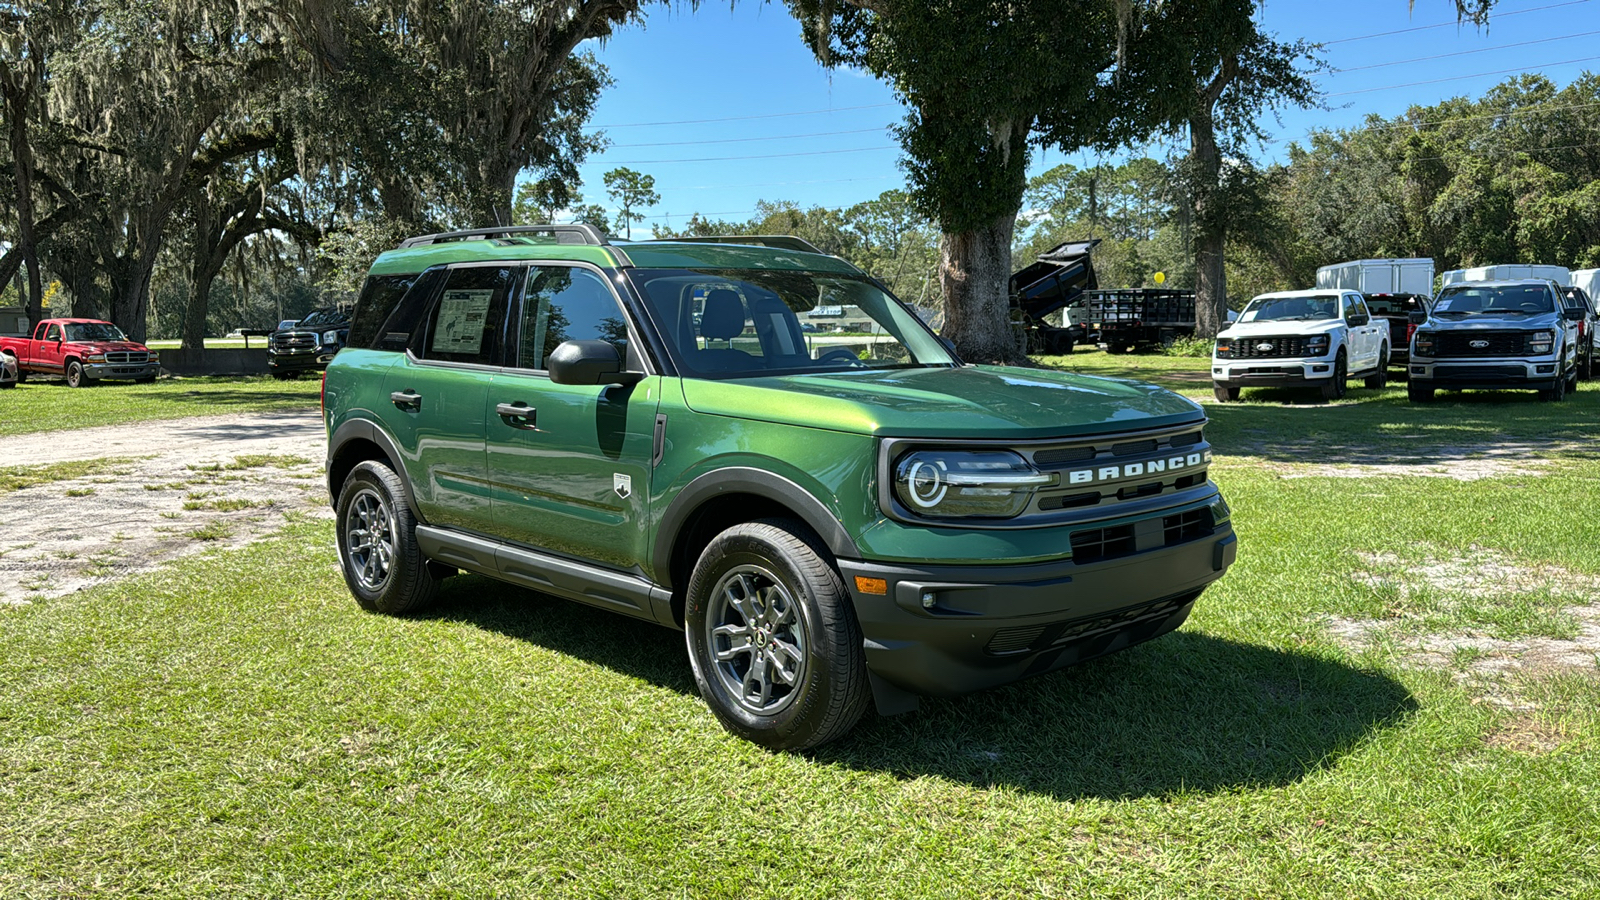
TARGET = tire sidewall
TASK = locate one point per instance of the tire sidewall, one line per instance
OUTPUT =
(806, 713)
(409, 584)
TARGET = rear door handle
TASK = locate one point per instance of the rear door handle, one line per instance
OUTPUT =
(518, 415)
(406, 399)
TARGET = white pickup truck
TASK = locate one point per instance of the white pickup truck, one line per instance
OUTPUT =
(1317, 338)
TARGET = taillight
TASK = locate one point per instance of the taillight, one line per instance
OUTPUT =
(1410, 330)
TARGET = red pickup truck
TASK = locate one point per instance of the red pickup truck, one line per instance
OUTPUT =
(83, 351)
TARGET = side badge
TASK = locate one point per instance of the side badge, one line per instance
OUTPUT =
(623, 485)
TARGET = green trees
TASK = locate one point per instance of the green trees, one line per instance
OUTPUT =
(631, 191)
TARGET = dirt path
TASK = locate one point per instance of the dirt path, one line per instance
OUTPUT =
(173, 488)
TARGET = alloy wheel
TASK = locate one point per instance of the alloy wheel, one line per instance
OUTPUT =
(369, 539)
(758, 639)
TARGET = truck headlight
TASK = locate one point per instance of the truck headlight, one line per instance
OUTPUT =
(330, 337)
(978, 484)
(1540, 342)
(1423, 341)
(94, 357)
(1317, 345)
(1224, 349)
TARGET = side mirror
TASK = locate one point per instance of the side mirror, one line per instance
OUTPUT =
(1574, 314)
(588, 362)
(1417, 317)
(1359, 319)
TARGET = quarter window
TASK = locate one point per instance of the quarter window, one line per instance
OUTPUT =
(466, 322)
(567, 303)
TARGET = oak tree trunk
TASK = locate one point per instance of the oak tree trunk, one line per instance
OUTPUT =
(1211, 289)
(975, 273)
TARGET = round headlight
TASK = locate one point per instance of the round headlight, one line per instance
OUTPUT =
(956, 483)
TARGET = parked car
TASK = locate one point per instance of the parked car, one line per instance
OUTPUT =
(307, 345)
(1395, 311)
(1315, 338)
(83, 351)
(9, 373)
(1588, 328)
(1497, 335)
(827, 529)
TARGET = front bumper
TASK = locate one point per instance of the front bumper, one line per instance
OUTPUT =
(300, 360)
(97, 371)
(1485, 374)
(986, 626)
(1268, 372)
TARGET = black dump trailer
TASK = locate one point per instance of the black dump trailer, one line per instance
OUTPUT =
(1131, 319)
(1055, 281)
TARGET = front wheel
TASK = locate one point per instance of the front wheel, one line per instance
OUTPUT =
(1335, 388)
(1419, 394)
(75, 375)
(1555, 394)
(772, 637)
(1224, 393)
(377, 539)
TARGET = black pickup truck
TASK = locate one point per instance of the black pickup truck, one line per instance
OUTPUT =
(308, 345)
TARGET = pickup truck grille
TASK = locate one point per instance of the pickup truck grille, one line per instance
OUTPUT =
(1283, 347)
(293, 340)
(125, 357)
(1495, 343)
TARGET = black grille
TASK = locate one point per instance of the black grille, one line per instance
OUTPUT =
(1133, 448)
(1095, 544)
(294, 339)
(123, 357)
(1184, 440)
(1186, 526)
(1285, 347)
(1067, 454)
(1495, 343)
(1012, 641)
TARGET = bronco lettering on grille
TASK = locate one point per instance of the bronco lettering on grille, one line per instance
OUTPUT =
(1134, 470)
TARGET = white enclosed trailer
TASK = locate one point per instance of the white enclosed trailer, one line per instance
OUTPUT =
(1589, 280)
(1516, 272)
(1379, 276)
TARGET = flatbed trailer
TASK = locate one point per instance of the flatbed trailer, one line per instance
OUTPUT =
(1129, 319)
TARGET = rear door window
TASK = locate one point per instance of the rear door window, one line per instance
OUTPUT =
(466, 323)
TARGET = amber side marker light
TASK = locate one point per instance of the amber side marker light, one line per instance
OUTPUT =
(872, 585)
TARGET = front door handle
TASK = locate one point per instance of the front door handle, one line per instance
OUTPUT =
(518, 415)
(406, 399)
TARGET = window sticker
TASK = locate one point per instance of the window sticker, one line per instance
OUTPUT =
(461, 317)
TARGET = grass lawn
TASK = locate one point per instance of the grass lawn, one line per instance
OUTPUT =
(214, 343)
(49, 405)
(235, 726)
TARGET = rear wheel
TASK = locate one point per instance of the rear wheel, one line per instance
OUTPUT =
(1586, 365)
(1379, 380)
(773, 638)
(1224, 393)
(377, 538)
(1335, 388)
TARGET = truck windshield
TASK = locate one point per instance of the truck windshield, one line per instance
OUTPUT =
(1520, 299)
(1269, 309)
(323, 317)
(94, 331)
(741, 323)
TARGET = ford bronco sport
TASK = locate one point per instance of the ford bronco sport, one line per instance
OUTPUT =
(831, 521)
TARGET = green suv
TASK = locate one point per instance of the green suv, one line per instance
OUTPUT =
(832, 519)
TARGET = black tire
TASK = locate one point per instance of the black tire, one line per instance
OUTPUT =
(1224, 393)
(796, 606)
(286, 376)
(75, 376)
(1379, 380)
(1586, 366)
(1335, 388)
(377, 539)
(1555, 394)
(1419, 394)
(148, 379)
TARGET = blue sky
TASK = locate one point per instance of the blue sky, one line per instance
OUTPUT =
(725, 107)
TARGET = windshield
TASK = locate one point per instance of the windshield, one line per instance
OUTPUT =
(323, 317)
(94, 331)
(1518, 299)
(740, 323)
(1393, 304)
(1269, 309)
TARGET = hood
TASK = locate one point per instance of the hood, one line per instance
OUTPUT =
(1279, 327)
(966, 402)
(110, 346)
(1488, 321)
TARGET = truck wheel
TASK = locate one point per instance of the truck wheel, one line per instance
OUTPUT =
(1379, 380)
(1555, 394)
(1419, 394)
(1224, 393)
(75, 376)
(773, 639)
(377, 539)
(286, 376)
(1586, 366)
(1335, 388)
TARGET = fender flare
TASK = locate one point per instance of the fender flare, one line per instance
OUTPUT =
(746, 480)
(366, 429)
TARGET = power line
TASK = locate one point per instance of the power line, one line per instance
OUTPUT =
(779, 137)
(1391, 87)
(1515, 12)
(653, 162)
(1401, 62)
(808, 112)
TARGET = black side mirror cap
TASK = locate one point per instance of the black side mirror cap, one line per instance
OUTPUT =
(1574, 314)
(1417, 318)
(589, 362)
(1359, 319)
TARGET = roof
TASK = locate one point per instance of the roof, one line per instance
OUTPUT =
(1312, 292)
(1506, 282)
(643, 254)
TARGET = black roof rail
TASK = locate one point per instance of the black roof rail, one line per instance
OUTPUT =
(564, 234)
(775, 241)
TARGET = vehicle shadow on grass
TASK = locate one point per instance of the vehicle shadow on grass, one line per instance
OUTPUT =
(213, 397)
(1185, 712)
